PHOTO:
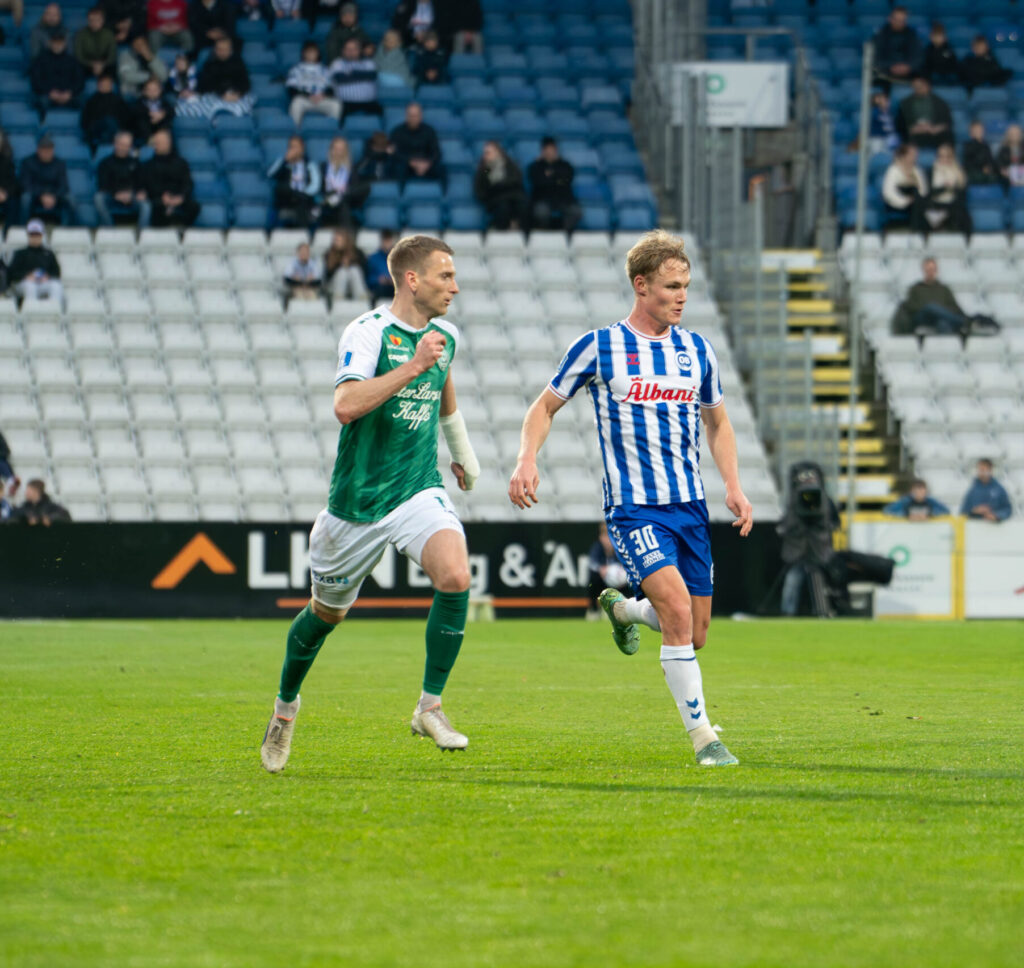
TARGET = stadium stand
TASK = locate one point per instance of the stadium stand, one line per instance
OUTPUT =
(954, 404)
(174, 387)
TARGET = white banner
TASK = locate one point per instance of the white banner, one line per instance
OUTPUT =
(994, 569)
(922, 582)
(740, 94)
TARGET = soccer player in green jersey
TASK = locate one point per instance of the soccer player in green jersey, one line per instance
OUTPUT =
(392, 391)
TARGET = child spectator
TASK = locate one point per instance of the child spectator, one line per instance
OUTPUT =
(345, 267)
(882, 136)
(152, 112)
(39, 508)
(296, 186)
(904, 190)
(392, 64)
(309, 86)
(917, 505)
(986, 499)
(354, 77)
(347, 28)
(980, 67)
(979, 162)
(35, 271)
(342, 189)
(183, 79)
(498, 187)
(95, 47)
(947, 200)
(940, 62)
(430, 65)
(378, 277)
(1010, 157)
(304, 277)
(167, 23)
(104, 114)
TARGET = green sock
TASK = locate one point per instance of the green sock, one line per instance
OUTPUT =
(446, 625)
(305, 637)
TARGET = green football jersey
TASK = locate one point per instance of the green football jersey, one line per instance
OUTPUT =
(389, 454)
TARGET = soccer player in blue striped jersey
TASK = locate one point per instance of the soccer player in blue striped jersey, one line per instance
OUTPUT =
(652, 384)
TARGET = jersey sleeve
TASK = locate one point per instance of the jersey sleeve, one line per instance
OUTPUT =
(358, 352)
(711, 385)
(578, 367)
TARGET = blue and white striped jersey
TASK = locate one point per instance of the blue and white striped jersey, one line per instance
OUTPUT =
(647, 396)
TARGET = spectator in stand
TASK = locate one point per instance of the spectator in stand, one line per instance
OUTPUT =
(134, 68)
(309, 86)
(297, 183)
(392, 64)
(1010, 156)
(95, 47)
(56, 77)
(929, 306)
(17, 8)
(430, 63)
(342, 190)
(552, 202)
(35, 271)
(347, 28)
(416, 147)
(354, 77)
(379, 161)
(167, 23)
(183, 79)
(924, 118)
(606, 571)
(345, 267)
(104, 114)
(119, 192)
(498, 187)
(904, 190)
(9, 188)
(917, 505)
(223, 84)
(256, 10)
(461, 26)
(413, 18)
(947, 198)
(167, 182)
(940, 61)
(882, 132)
(979, 162)
(304, 277)
(39, 508)
(50, 22)
(980, 68)
(127, 19)
(210, 20)
(378, 278)
(897, 50)
(284, 10)
(153, 111)
(44, 185)
(312, 9)
(8, 479)
(986, 499)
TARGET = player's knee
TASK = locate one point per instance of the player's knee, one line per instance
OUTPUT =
(326, 613)
(675, 618)
(700, 634)
(454, 580)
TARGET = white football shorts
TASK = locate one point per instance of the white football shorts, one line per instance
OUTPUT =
(343, 553)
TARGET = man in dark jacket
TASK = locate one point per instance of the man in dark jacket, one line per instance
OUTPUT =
(980, 67)
(167, 181)
(897, 49)
(460, 25)
(379, 161)
(104, 114)
(986, 499)
(44, 185)
(9, 187)
(416, 146)
(56, 77)
(929, 303)
(979, 163)
(347, 27)
(35, 271)
(153, 111)
(39, 508)
(224, 72)
(209, 20)
(119, 190)
(924, 118)
(552, 203)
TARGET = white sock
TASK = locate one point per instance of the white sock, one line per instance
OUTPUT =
(642, 611)
(286, 710)
(427, 699)
(682, 674)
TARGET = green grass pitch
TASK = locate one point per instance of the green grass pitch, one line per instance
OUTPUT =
(876, 818)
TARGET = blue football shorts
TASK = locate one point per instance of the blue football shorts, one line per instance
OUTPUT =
(650, 537)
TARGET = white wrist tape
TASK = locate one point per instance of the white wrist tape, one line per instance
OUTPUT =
(455, 435)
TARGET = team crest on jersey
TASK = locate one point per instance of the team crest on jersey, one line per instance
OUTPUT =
(683, 360)
(395, 340)
(444, 359)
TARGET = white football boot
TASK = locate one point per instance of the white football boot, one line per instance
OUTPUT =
(277, 741)
(434, 723)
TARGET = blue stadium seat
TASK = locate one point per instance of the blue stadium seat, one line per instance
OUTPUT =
(421, 191)
(460, 188)
(626, 191)
(619, 159)
(515, 92)
(196, 150)
(444, 121)
(590, 188)
(525, 123)
(509, 64)
(289, 53)
(81, 183)
(1017, 223)
(185, 127)
(393, 116)
(272, 120)
(62, 121)
(984, 193)
(557, 95)
(229, 126)
(385, 191)
(580, 35)
(250, 216)
(467, 65)
(545, 60)
(318, 124)
(22, 145)
(273, 148)
(424, 215)
(209, 186)
(71, 149)
(248, 185)
(474, 92)
(466, 217)
(988, 217)
(607, 127)
(596, 217)
(85, 214)
(213, 215)
(317, 146)
(483, 123)
(239, 153)
(359, 127)
(382, 215)
(436, 95)
(290, 30)
(456, 156)
(252, 30)
(568, 124)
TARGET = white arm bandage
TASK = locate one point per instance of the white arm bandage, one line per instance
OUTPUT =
(455, 435)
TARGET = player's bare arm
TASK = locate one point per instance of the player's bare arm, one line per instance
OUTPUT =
(356, 398)
(465, 467)
(522, 488)
(722, 444)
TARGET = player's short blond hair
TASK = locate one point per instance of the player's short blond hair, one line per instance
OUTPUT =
(652, 251)
(411, 253)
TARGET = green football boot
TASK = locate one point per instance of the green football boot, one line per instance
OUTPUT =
(715, 754)
(627, 636)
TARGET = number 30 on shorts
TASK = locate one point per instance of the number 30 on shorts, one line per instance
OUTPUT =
(644, 539)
